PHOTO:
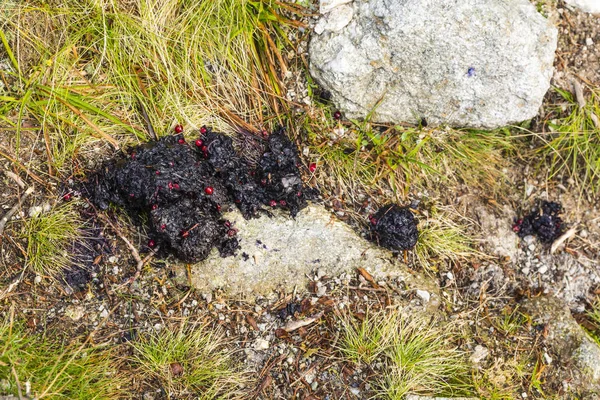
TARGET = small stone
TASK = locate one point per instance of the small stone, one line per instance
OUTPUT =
(37, 280)
(531, 247)
(261, 344)
(309, 378)
(529, 240)
(543, 269)
(547, 358)
(583, 234)
(423, 295)
(526, 271)
(35, 211)
(589, 41)
(321, 290)
(207, 296)
(75, 312)
(479, 354)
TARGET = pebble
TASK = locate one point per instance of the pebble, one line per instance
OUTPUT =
(531, 247)
(479, 354)
(75, 312)
(547, 358)
(583, 234)
(261, 344)
(589, 41)
(37, 280)
(423, 295)
(543, 269)
(321, 289)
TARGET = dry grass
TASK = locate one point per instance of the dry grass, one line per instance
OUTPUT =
(83, 70)
(417, 353)
(191, 361)
(36, 367)
(50, 237)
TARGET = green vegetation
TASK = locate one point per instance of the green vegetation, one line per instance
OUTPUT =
(365, 155)
(190, 361)
(441, 239)
(50, 237)
(418, 354)
(81, 69)
(56, 371)
(572, 146)
(593, 316)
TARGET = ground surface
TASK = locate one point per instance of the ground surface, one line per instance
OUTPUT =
(482, 294)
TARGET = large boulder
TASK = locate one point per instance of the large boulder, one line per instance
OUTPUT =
(577, 354)
(591, 6)
(279, 252)
(472, 63)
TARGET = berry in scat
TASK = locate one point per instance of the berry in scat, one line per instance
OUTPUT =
(185, 220)
(543, 221)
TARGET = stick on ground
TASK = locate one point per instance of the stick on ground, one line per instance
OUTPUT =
(13, 210)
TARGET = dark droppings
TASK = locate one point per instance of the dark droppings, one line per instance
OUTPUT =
(180, 189)
(394, 228)
(543, 221)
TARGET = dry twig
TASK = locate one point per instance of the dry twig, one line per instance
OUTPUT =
(13, 210)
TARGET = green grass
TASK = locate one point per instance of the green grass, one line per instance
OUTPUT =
(55, 370)
(417, 353)
(365, 340)
(360, 156)
(207, 368)
(573, 145)
(81, 69)
(593, 316)
(50, 237)
(442, 239)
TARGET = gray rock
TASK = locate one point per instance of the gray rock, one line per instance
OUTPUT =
(479, 354)
(575, 348)
(590, 6)
(473, 63)
(282, 252)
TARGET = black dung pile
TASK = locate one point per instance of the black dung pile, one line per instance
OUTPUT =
(394, 228)
(180, 189)
(542, 222)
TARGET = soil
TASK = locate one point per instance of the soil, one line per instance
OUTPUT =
(181, 190)
(482, 293)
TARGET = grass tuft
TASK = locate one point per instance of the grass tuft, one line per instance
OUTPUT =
(50, 236)
(192, 361)
(573, 145)
(81, 69)
(442, 239)
(417, 353)
(53, 370)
